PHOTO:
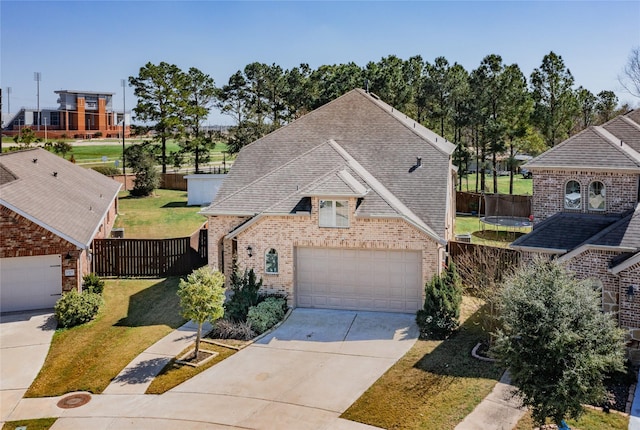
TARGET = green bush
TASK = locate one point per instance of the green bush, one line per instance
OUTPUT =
(244, 294)
(92, 283)
(266, 314)
(107, 170)
(441, 312)
(74, 309)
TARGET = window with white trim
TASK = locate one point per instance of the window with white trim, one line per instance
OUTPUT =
(271, 261)
(572, 195)
(333, 213)
(597, 199)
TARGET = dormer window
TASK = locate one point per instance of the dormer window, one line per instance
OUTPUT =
(334, 213)
(572, 195)
(597, 200)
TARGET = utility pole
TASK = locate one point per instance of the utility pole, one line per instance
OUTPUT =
(36, 77)
(124, 117)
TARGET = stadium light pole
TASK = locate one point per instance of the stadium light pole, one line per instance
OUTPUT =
(36, 77)
(124, 117)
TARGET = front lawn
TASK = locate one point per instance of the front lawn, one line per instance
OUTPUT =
(136, 314)
(434, 386)
(591, 420)
(163, 215)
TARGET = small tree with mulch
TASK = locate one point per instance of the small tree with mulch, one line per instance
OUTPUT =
(202, 298)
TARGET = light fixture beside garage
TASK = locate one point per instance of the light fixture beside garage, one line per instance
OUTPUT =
(249, 251)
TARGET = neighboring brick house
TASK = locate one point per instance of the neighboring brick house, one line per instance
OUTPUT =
(349, 207)
(586, 207)
(50, 212)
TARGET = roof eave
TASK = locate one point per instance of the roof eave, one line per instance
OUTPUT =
(625, 264)
(591, 247)
(590, 168)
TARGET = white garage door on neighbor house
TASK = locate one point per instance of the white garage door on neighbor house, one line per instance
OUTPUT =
(28, 283)
(359, 279)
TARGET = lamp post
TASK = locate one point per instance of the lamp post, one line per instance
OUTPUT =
(36, 77)
(124, 117)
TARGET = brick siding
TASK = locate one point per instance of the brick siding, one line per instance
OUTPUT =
(285, 233)
(549, 191)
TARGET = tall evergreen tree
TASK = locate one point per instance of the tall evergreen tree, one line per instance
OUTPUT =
(200, 92)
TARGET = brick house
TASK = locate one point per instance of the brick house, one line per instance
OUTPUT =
(50, 212)
(349, 207)
(586, 207)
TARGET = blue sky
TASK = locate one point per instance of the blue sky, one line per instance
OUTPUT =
(91, 45)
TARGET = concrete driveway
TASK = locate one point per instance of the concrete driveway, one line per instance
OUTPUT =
(24, 344)
(301, 376)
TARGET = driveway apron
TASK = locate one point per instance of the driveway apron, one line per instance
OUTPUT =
(24, 343)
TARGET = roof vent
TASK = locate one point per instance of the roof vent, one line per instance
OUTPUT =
(55, 174)
(35, 160)
(419, 161)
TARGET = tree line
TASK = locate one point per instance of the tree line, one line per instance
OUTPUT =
(487, 112)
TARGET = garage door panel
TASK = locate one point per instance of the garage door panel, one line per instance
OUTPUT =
(30, 282)
(360, 279)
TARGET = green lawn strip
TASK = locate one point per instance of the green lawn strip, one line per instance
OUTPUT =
(434, 386)
(136, 314)
(174, 374)
(520, 185)
(35, 424)
(591, 420)
(491, 235)
(163, 215)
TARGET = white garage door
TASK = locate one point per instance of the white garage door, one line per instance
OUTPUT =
(30, 282)
(389, 281)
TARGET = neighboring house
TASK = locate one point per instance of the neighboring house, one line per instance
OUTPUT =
(349, 207)
(80, 114)
(586, 206)
(50, 212)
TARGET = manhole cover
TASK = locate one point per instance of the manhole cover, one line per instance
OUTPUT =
(74, 401)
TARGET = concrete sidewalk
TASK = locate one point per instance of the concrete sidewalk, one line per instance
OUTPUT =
(138, 375)
(500, 410)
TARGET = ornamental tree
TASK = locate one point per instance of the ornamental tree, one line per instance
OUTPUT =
(555, 341)
(202, 298)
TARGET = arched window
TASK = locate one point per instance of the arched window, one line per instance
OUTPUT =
(271, 261)
(597, 200)
(572, 195)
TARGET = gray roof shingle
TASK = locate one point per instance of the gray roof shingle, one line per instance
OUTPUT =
(382, 140)
(68, 200)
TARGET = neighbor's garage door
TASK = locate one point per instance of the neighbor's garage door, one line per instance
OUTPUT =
(358, 279)
(30, 282)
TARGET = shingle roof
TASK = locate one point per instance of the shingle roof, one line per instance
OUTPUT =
(624, 233)
(382, 140)
(625, 130)
(64, 198)
(592, 148)
(564, 231)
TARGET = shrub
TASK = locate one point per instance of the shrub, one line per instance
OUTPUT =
(266, 314)
(74, 309)
(92, 283)
(97, 134)
(107, 170)
(244, 294)
(283, 299)
(227, 329)
(443, 295)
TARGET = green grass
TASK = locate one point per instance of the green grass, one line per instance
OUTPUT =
(520, 186)
(174, 374)
(37, 424)
(434, 386)
(487, 235)
(163, 215)
(591, 420)
(136, 314)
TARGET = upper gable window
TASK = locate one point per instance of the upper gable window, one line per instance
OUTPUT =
(572, 195)
(271, 261)
(334, 213)
(597, 198)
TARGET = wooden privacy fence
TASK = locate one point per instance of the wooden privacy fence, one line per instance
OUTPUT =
(149, 257)
(481, 261)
